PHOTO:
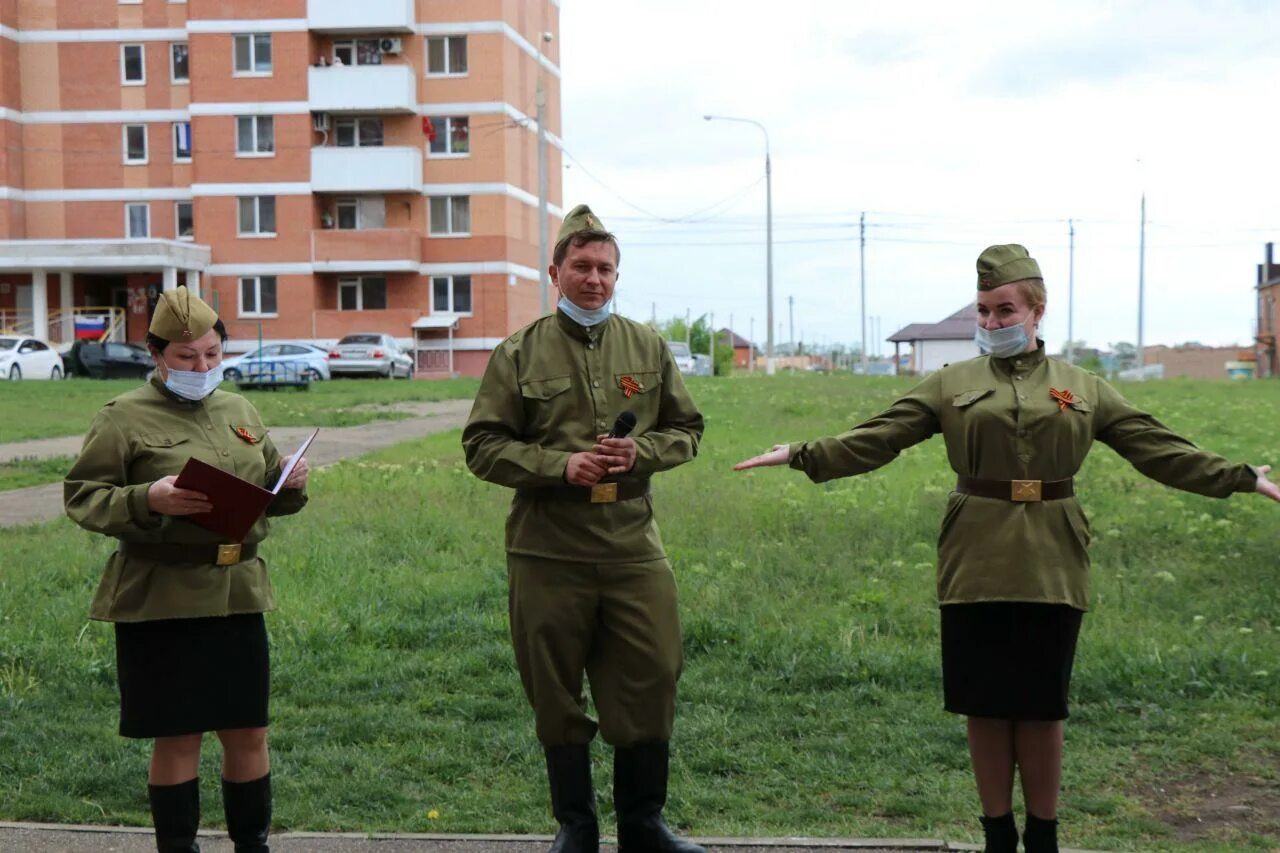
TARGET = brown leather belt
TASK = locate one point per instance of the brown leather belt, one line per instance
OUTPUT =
(172, 552)
(601, 493)
(1018, 491)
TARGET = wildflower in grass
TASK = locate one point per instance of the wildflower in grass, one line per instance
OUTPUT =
(432, 814)
(1167, 577)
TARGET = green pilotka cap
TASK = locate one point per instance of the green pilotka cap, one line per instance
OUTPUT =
(999, 265)
(581, 220)
(181, 316)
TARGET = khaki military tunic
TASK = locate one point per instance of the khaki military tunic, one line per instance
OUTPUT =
(548, 392)
(1000, 422)
(145, 435)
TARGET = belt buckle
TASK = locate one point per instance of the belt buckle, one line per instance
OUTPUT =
(228, 555)
(604, 493)
(1025, 491)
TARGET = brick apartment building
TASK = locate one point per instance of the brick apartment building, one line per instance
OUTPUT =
(1268, 290)
(312, 167)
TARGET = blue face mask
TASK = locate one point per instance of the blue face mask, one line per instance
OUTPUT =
(582, 316)
(1002, 343)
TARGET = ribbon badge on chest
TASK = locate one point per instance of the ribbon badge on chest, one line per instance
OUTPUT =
(1063, 398)
(245, 435)
(630, 387)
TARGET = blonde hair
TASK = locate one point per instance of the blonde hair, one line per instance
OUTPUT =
(1032, 290)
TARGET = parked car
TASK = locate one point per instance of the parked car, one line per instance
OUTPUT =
(28, 358)
(370, 352)
(107, 361)
(310, 361)
(684, 358)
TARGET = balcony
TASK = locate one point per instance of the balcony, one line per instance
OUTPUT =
(368, 250)
(366, 170)
(368, 89)
(366, 16)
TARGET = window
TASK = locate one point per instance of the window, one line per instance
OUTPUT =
(367, 293)
(137, 218)
(447, 55)
(358, 132)
(135, 143)
(451, 294)
(450, 214)
(357, 52)
(453, 136)
(133, 65)
(179, 62)
(255, 136)
(186, 225)
(258, 215)
(182, 141)
(258, 296)
(361, 213)
(253, 53)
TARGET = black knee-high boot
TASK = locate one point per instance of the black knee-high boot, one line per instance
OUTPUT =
(175, 812)
(1041, 836)
(573, 799)
(247, 806)
(639, 793)
(1001, 834)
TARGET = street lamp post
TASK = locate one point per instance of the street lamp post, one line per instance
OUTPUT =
(769, 366)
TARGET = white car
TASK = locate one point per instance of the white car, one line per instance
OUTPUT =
(310, 360)
(28, 358)
(684, 359)
(370, 352)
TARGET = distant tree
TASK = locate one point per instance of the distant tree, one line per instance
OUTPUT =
(1074, 346)
(699, 338)
(1126, 355)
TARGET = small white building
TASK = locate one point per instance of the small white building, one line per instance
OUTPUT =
(935, 345)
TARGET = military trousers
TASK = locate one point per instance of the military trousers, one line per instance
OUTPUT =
(618, 624)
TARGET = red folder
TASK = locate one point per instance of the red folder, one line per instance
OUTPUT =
(237, 503)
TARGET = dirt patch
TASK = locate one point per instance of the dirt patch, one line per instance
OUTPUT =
(1207, 805)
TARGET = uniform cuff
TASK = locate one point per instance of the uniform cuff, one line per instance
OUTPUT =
(139, 509)
(793, 455)
(1248, 479)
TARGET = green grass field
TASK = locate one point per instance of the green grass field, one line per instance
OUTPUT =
(29, 471)
(811, 698)
(48, 409)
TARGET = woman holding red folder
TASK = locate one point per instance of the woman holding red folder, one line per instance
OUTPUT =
(191, 641)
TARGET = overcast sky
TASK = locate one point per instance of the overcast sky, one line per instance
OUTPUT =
(954, 126)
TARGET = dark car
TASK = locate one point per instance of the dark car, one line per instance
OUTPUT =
(107, 361)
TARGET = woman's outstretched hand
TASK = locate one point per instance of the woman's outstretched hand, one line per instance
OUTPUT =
(1265, 486)
(779, 455)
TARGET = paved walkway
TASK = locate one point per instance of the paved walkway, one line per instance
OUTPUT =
(93, 839)
(42, 503)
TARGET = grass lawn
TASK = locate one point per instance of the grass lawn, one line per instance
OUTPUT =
(811, 698)
(28, 471)
(47, 409)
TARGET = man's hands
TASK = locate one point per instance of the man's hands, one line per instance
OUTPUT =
(164, 499)
(780, 454)
(297, 478)
(609, 456)
(1265, 486)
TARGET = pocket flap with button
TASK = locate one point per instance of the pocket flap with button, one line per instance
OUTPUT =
(156, 440)
(968, 398)
(1081, 405)
(545, 389)
(645, 380)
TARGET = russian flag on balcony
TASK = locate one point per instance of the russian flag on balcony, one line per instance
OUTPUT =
(90, 328)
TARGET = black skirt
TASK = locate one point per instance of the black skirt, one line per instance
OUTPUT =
(1008, 660)
(184, 676)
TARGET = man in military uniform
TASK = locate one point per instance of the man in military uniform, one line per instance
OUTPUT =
(590, 587)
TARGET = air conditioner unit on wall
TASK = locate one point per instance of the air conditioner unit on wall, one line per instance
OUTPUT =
(320, 121)
(391, 45)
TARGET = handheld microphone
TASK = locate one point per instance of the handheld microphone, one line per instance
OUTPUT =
(623, 426)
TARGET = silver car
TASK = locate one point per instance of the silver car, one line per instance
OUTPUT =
(370, 352)
(684, 359)
(307, 359)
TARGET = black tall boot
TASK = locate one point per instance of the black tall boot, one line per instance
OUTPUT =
(1041, 836)
(247, 806)
(639, 793)
(573, 800)
(175, 811)
(1001, 834)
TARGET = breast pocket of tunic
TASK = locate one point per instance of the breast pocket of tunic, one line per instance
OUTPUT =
(638, 390)
(965, 399)
(246, 452)
(159, 455)
(546, 402)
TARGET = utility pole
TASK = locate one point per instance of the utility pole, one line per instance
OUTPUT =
(791, 314)
(688, 331)
(712, 329)
(1142, 263)
(862, 280)
(653, 314)
(1071, 291)
(751, 347)
(733, 358)
(540, 99)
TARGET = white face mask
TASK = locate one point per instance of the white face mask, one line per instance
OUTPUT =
(582, 316)
(192, 384)
(1003, 343)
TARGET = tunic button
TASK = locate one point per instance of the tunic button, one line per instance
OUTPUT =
(595, 383)
(601, 424)
(591, 346)
(226, 453)
(1022, 396)
(208, 426)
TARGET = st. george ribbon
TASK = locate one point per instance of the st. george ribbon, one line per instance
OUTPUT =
(623, 426)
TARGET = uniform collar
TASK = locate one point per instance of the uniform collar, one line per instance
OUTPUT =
(1023, 361)
(579, 332)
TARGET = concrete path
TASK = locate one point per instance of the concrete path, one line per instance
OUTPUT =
(42, 503)
(84, 839)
